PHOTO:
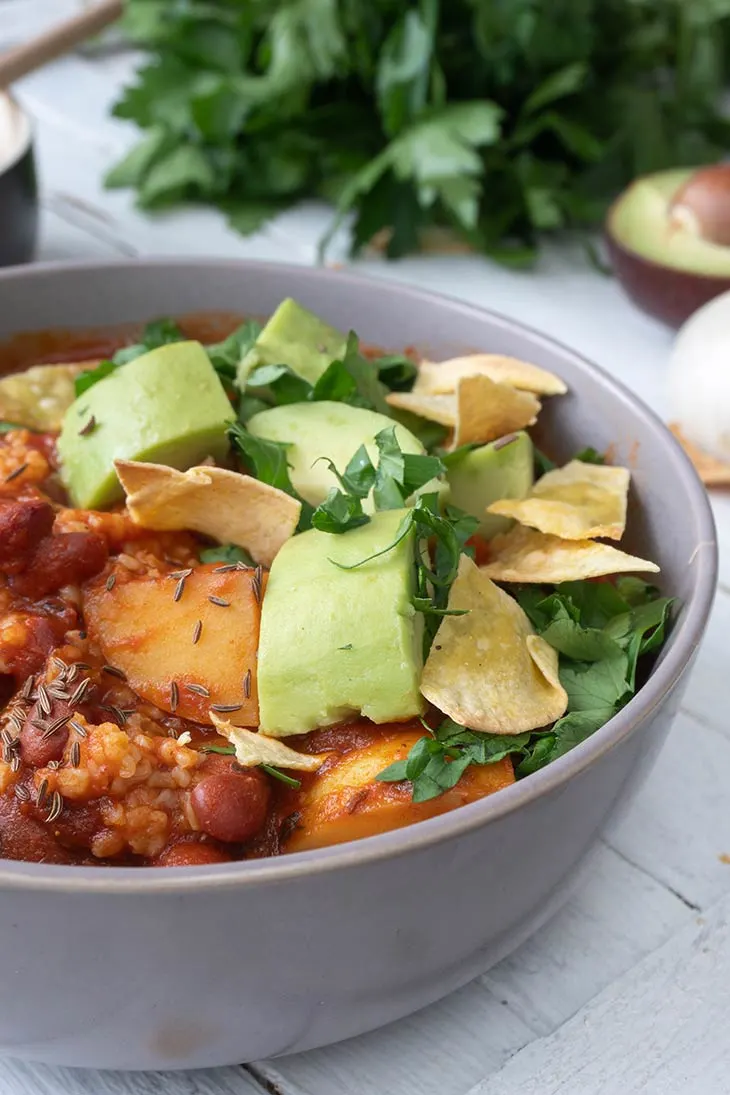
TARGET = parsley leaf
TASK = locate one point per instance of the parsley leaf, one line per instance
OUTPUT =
(590, 456)
(267, 460)
(89, 377)
(7, 427)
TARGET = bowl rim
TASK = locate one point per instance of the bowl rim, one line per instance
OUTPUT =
(25, 141)
(686, 635)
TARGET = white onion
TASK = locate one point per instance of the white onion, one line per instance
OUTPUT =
(699, 377)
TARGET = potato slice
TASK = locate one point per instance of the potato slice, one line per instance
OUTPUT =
(344, 801)
(207, 639)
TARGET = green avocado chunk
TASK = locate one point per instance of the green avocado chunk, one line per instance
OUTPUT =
(339, 643)
(491, 472)
(332, 430)
(167, 406)
(297, 338)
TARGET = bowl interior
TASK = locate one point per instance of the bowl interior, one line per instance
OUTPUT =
(669, 518)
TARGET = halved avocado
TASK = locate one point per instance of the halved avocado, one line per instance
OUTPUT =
(660, 251)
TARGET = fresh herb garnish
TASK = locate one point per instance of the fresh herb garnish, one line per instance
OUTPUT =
(225, 356)
(397, 476)
(267, 459)
(7, 427)
(226, 553)
(600, 631)
(590, 455)
(275, 773)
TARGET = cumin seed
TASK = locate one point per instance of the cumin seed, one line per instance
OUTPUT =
(225, 708)
(79, 729)
(42, 792)
(22, 793)
(174, 696)
(179, 589)
(15, 763)
(110, 582)
(56, 807)
(197, 631)
(198, 689)
(59, 664)
(27, 688)
(114, 672)
(55, 726)
(247, 684)
(88, 428)
(75, 755)
(80, 691)
(44, 702)
(220, 602)
(14, 474)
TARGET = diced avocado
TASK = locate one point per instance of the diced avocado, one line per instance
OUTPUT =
(297, 338)
(339, 643)
(491, 472)
(167, 406)
(332, 430)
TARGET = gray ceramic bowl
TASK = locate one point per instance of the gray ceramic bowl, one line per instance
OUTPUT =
(186, 967)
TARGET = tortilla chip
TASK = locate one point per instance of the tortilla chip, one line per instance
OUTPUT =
(487, 669)
(441, 378)
(524, 555)
(253, 748)
(480, 411)
(40, 397)
(576, 502)
(712, 472)
(224, 505)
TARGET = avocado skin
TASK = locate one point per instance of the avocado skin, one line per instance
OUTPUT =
(295, 337)
(664, 290)
(340, 643)
(488, 474)
(325, 429)
(167, 406)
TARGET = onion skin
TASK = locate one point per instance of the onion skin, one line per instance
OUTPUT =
(702, 205)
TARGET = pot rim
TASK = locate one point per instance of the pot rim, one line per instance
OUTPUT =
(683, 641)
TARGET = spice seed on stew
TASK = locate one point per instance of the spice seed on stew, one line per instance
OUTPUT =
(109, 583)
(27, 689)
(179, 590)
(44, 702)
(56, 807)
(80, 691)
(15, 763)
(53, 765)
(42, 792)
(224, 708)
(88, 428)
(75, 755)
(197, 631)
(14, 474)
(114, 672)
(219, 601)
(7, 737)
(199, 689)
(82, 665)
(22, 793)
(226, 568)
(247, 684)
(174, 696)
(59, 664)
(80, 730)
(54, 726)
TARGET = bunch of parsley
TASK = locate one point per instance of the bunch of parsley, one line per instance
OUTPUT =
(496, 119)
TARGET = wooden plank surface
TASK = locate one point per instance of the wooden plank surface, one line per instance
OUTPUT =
(660, 1030)
(555, 1007)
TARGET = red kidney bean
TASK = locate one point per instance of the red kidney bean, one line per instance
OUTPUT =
(69, 558)
(231, 806)
(22, 837)
(191, 853)
(36, 748)
(22, 527)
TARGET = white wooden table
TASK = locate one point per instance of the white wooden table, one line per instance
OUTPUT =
(628, 989)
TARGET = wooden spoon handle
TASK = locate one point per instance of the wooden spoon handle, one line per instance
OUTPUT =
(18, 62)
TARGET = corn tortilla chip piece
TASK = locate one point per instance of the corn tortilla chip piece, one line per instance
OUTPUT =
(487, 669)
(441, 378)
(480, 411)
(524, 555)
(576, 502)
(712, 472)
(253, 748)
(224, 505)
(39, 397)
(487, 410)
